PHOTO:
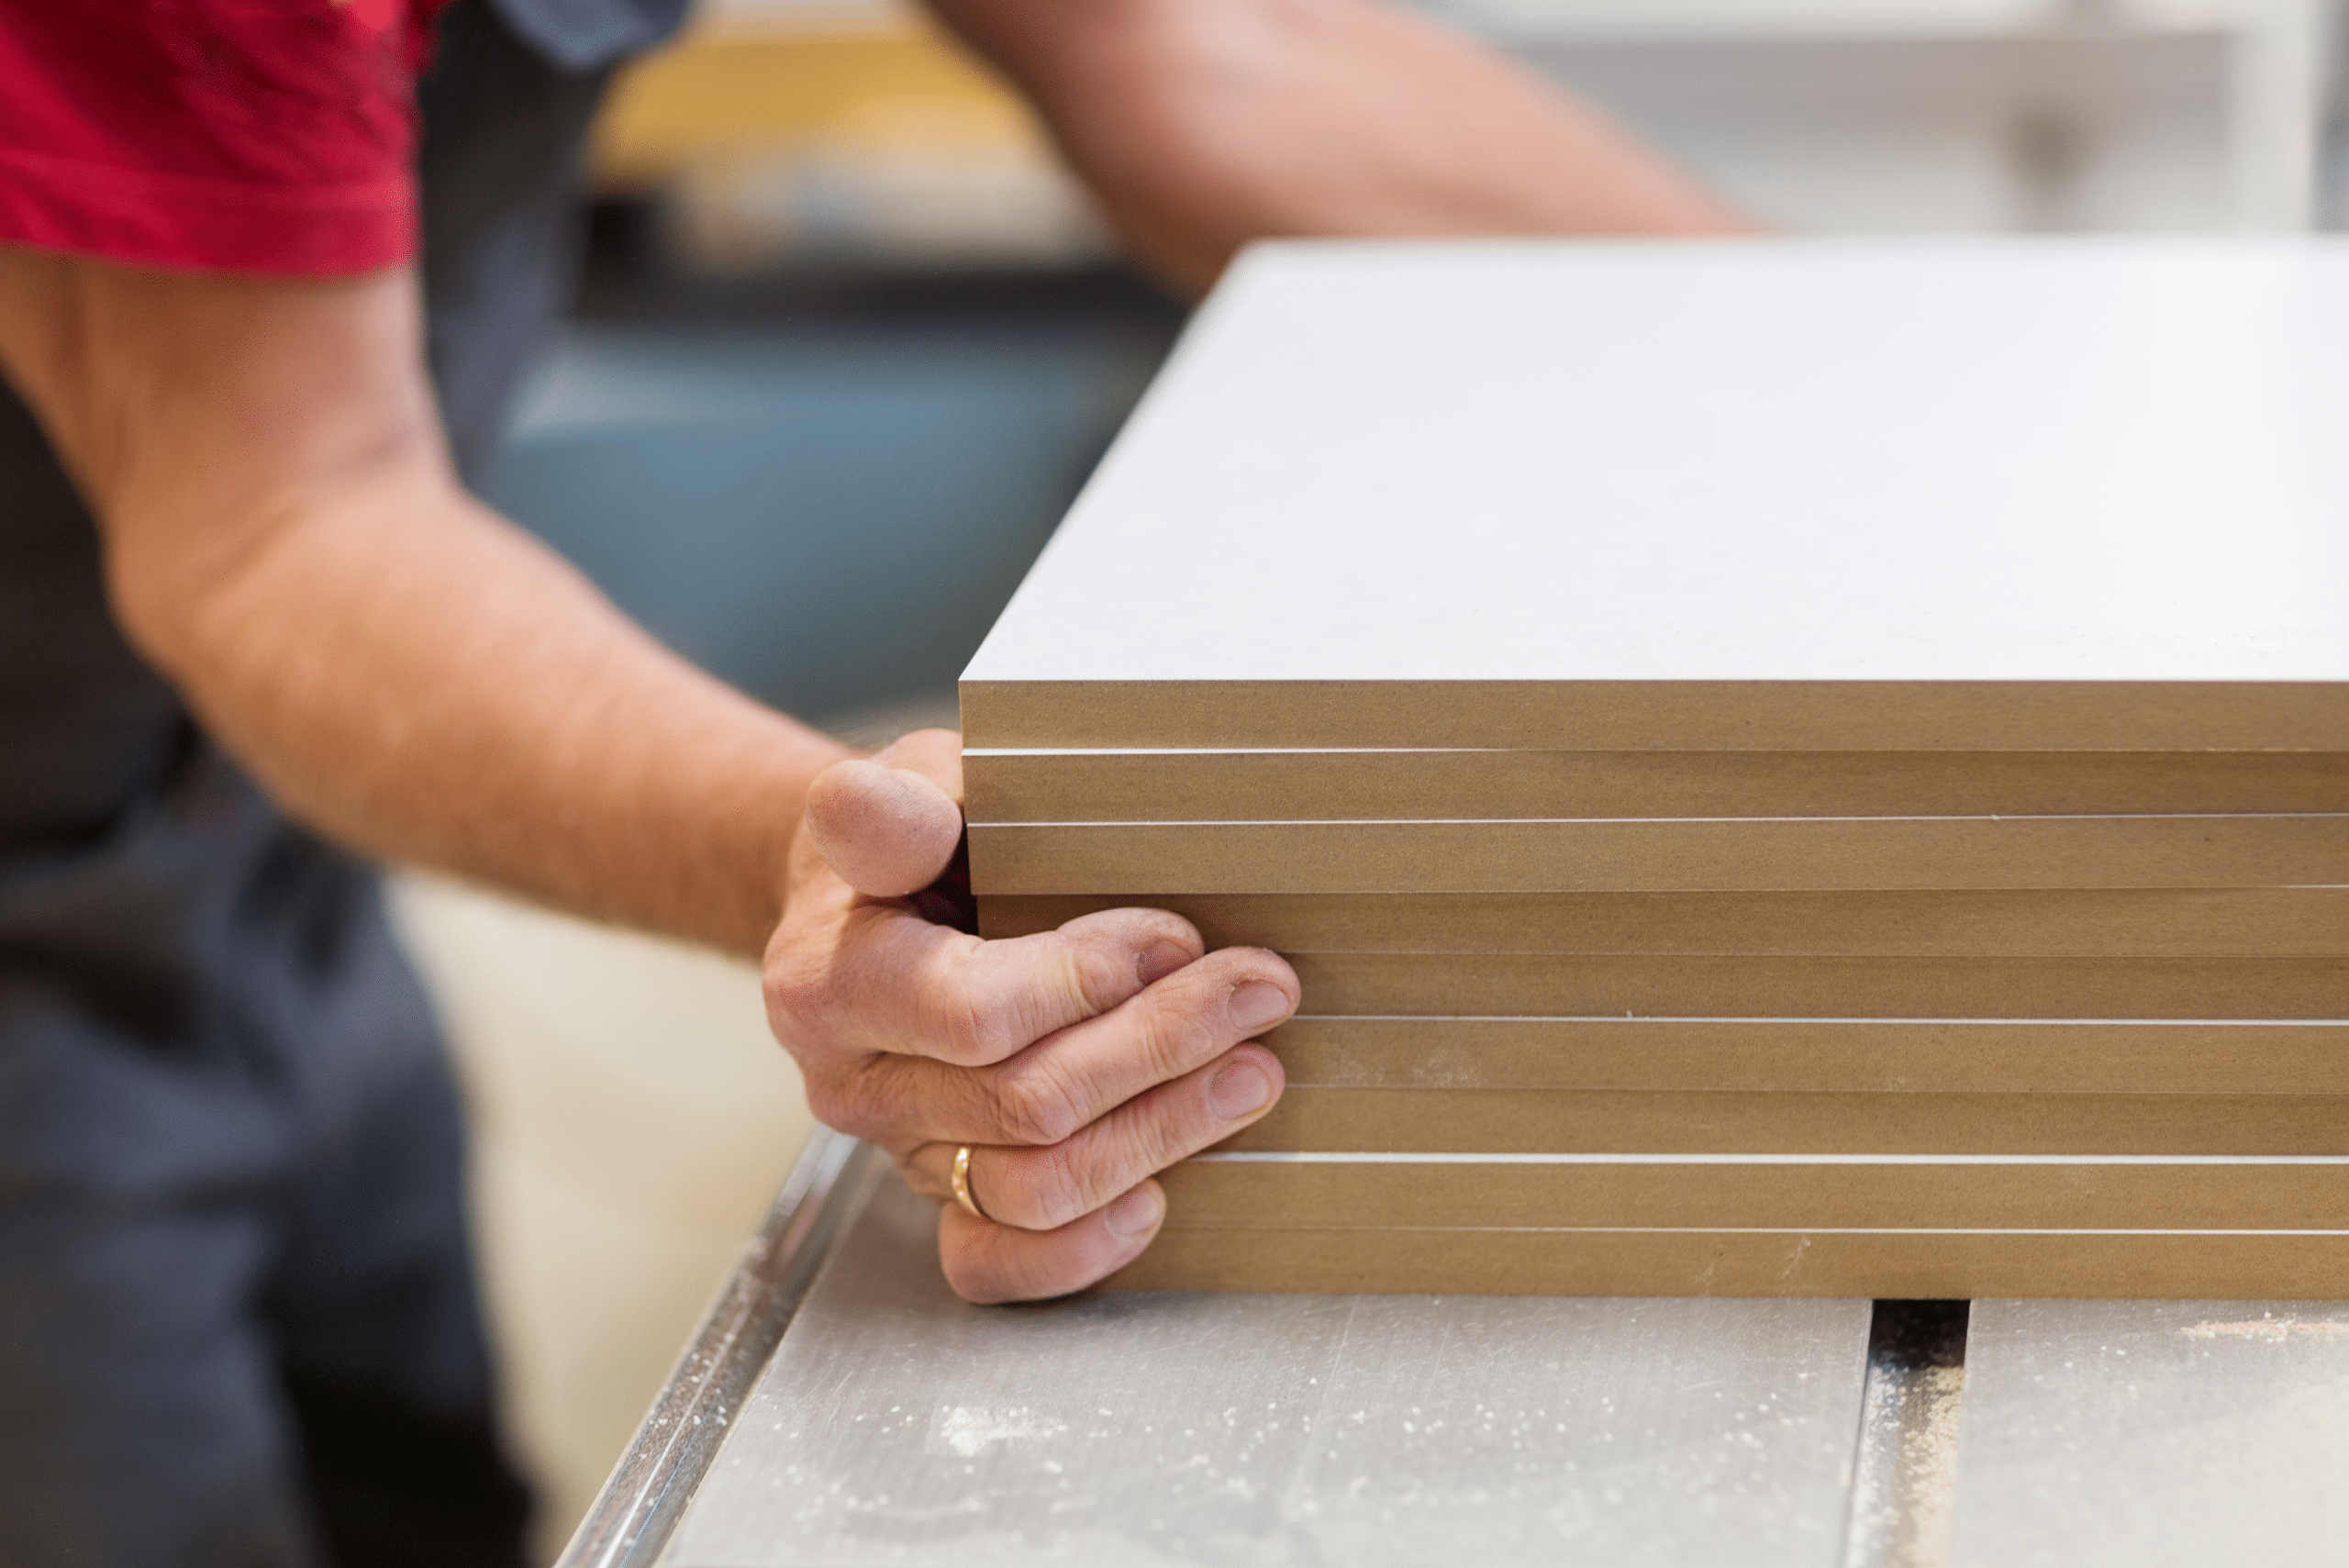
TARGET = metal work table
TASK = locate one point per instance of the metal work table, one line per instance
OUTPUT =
(841, 1409)
(2154, 1432)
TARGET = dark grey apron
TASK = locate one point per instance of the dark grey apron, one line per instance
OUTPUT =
(237, 1314)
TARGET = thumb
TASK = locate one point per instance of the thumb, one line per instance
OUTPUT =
(887, 831)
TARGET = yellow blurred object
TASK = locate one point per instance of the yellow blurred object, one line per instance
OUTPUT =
(722, 94)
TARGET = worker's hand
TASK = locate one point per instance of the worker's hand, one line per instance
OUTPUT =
(1075, 1063)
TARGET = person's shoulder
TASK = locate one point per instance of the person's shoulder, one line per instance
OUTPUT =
(265, 136)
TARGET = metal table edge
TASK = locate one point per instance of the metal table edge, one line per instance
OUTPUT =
(641, 1503)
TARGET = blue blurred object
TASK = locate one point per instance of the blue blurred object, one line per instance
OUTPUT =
(828, 517)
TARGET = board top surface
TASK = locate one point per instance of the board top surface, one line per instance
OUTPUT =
(1769, 462)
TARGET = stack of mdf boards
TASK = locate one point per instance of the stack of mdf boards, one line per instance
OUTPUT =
(1798, 768)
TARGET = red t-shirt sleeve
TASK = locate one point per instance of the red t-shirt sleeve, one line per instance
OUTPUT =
(249, 135)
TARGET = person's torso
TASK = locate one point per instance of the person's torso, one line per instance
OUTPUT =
(143, 881)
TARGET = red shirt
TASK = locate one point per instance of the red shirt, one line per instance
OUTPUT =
(250, 136)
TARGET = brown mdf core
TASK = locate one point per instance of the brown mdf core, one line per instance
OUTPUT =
(1813, 1056)
(1539, 1121)
(1998, 922)
(1730, 1193)
(1241, 787)
(1885, 1264)
(1672, 715)
(1776, 854)
(1580, 985)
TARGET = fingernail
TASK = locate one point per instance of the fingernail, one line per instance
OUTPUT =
(1159, 959)
(1238, 1089)
(1256, 1004)
(1133, 1214)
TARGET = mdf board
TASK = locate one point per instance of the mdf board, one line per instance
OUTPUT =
(1000, 710)
(1992, 923)
(2266, 1193)
(1696, 1261)
(1816, 1056)
(1917, 638)
(1586, 985)
(1663, 855)
(1877, 496)
(1280, 786)
(1686, 1121)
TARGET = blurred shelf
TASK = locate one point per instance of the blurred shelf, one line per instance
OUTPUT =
(728, 89)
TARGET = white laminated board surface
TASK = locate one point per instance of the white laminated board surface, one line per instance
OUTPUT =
(1925, 495)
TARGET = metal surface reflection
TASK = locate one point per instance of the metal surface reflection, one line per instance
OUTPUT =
(899, 1425)
(2148, 1432)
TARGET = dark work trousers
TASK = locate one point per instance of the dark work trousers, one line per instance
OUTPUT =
(238, 1318)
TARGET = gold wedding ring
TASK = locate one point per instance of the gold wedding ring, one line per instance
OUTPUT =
(963, 1183)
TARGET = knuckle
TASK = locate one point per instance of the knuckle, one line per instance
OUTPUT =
(963, 1033)
(1100, 975)
(795, 992)
(840, 1105)
(968, 1028)
(1255, 963)
(827, 1104)
(1177, 1037)
(1161, 1137)
(1037, 1103)
(915, 1173)
(1049, 1190)
(1071, 977)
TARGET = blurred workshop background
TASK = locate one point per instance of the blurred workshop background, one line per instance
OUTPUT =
(848, 343)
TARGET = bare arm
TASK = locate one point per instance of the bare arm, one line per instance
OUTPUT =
(1204, 124)
(286, 544)
(398, 665)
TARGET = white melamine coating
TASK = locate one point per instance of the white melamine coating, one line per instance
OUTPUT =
(1774, 460)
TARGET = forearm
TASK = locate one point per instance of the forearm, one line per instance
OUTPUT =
(414, 677)
(1204, 124)
(403, 669)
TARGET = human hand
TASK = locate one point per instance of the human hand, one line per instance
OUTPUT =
(1075, 1063)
